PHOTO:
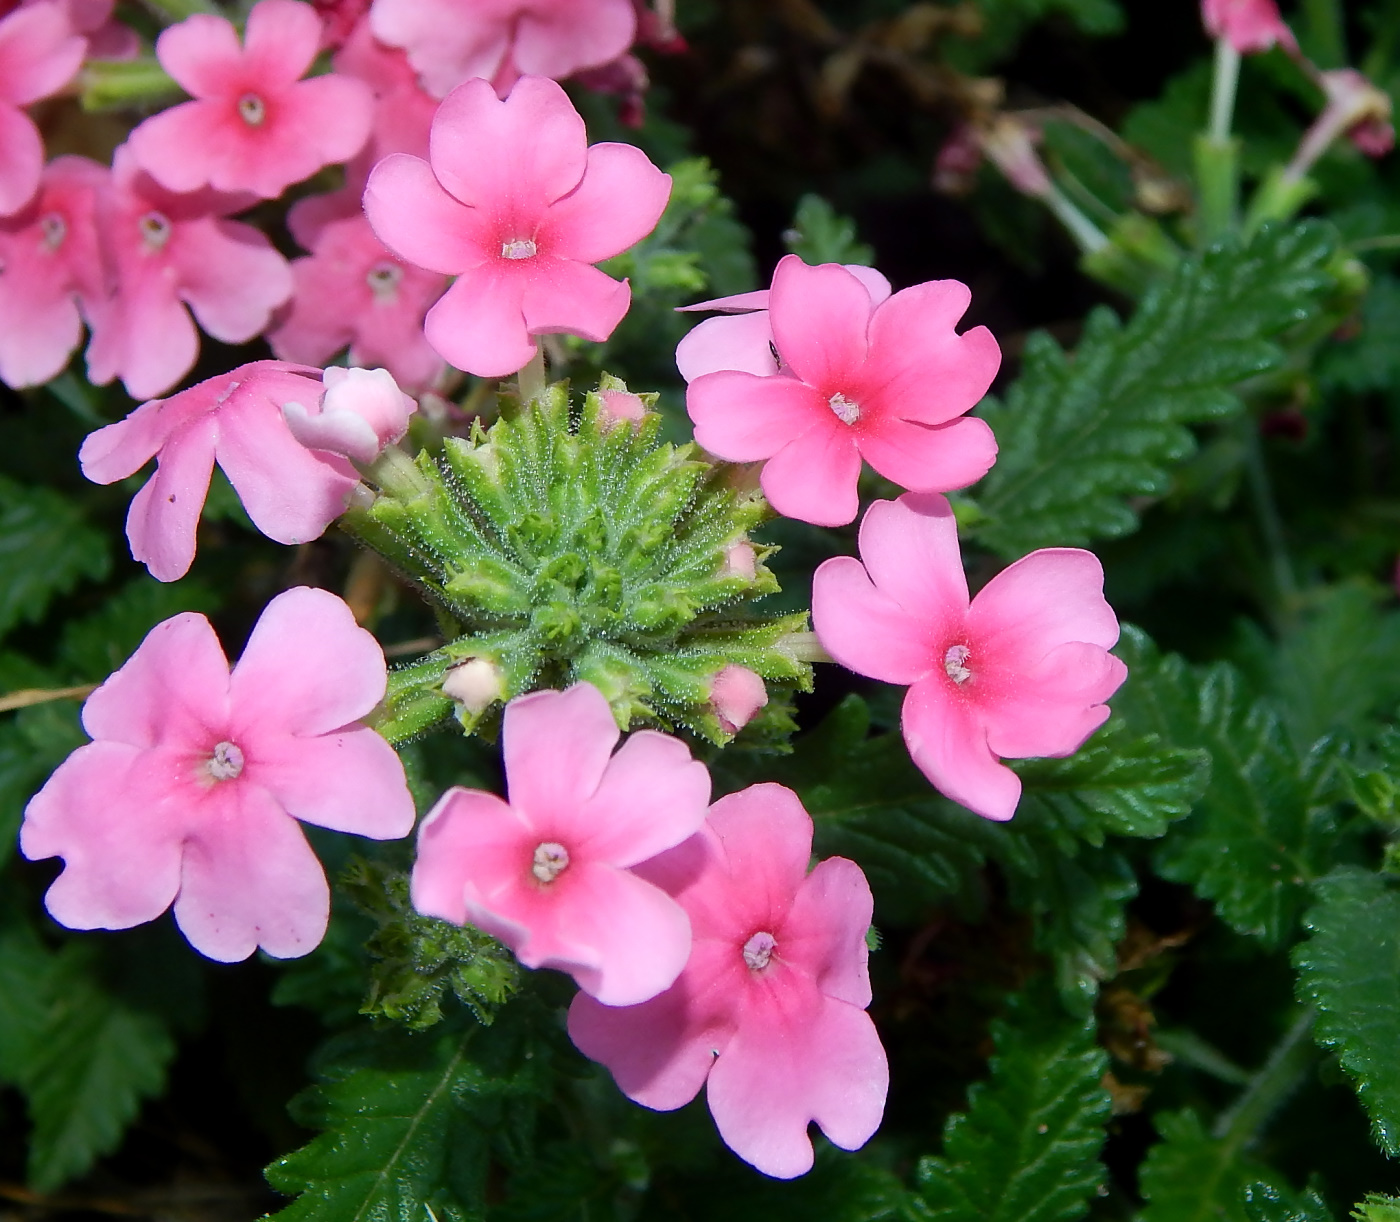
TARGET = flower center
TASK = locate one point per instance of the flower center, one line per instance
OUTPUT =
(226, 763)
(519, 248)
(551, 860)
(846, 411)
(758, 950)
(252, 109)
(54, 229)
(155, 230)
(955, 663)
(383, 280)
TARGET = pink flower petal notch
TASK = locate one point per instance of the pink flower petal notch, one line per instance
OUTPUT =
(235, 419)
(516, 205)
(550, 872)
(254, 124)
(190, 792)
(889, 381)
(1022, 670)
(770, 1012)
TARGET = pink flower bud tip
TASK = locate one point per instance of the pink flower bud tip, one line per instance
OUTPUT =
(736, 694)
(361, 412)
(1250, 26)
(620, 405)
(740, 560)
(475, 684)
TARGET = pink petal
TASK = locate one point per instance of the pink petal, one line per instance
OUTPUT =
(416, 219)
(557, 746)
(37, 337)
(280, 40)
(39, 53)
(819, 317)
(824, 934)
(946, 739)
(617, 204)
(738, 342)
(735, 303)
(1044, 599)
(766, 839)
(231, 277)
(183, 147)
(573, 298)
(144, 336)
(1054, 707)
(928, 459)
(468, 833)
(813, 478)
(876, 284)
(446, 43)
(21, 159)
(319, 122)
(558, 40)
(250, 880)
(741, 417)
(478, 325)
(866, 631)
(910, 549)
(163, 516)
(203, 54)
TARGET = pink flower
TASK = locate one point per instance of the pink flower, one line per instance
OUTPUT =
(549, 874)
(516, 206)
(49, 266)
(236, 419)
(39, 54)
(254, 125)
(162, 249)
(190, 791)
(451, 41)
(736, 695)
(362, 411)
(1359, 109)
(403, 112)
(769, 1014)
(1250, 26)
(1021, 671)
(887, 381)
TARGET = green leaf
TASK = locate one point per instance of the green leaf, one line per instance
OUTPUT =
(94, 646)
(1190, 1176)
(819, 234)
(26, 969)
(1079, 437)
(1268, 1203)
(1027, 1148)
(1378, 1208)
(1350, 969)
(46, 548)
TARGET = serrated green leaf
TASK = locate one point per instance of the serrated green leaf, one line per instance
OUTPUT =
(819, 234)
(46, 548)
(1378, 1208)
(1027, 1148)
(1078, 437)
(1350, 969)
(1268, 1203)
(1190, 1176)
(26, 970)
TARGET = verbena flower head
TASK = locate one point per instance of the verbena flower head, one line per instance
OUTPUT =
(1022, 670)
(1250, 26)
(769, 1014)
(887, 381)
(190, 792)
(254, 124)
(548, 873)
(361, 412)
(236, 420)
(518, 207)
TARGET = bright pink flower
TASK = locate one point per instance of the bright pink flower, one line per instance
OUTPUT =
(549, 874)
(254, 125)
(49, 265)
(451, 41)
(888, 381)
(39, 54)
(736, 695)
(517, 207)
(1250, 26)
(162, 249)
(362, 411)
(1021, 671)
(769, 1014)
(191, 790)
(236, 419)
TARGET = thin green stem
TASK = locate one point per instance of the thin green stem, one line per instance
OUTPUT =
(1385, 241)
(531, 379)
(1086, 234)
(396, 474)
(1270, 523)
(1223, 88)
(1289, 1062)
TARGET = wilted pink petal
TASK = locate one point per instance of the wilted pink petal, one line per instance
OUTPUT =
(1250, 26)
(362, 411)
(186, 798)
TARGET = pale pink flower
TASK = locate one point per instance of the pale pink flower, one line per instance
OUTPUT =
(736, 695)
(549, 873)
(451, 41)
(888, 382)
(161, 250)
(39, 54)
(517, 207)
(49, 268)
(769, 1014)
(254, 124)
(1250, 26)
(1023, 670)
(362, 411)
(190, 792)
(235, 419)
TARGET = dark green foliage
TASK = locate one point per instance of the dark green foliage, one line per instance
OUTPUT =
(820, 235)
(93, 647)
(33, 742)
(1192, 1176)
(1268, 1203)
(1378, 1208)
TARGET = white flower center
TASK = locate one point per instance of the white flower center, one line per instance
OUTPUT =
(551, 860)
(54, 229)
(758, 950)
(252, 109)
(155, 230)
(383, 280)
(955, 663)
(520, 248)
(226, 763)
(846, 411)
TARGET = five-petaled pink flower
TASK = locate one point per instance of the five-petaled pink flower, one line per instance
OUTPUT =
(191, 790)
(1021, 671)
(1250, 26)
(450, 41)
(889, 381)
(769, 1014)
(517, 207)
(550, 872)
(291, 493)
(254, 125)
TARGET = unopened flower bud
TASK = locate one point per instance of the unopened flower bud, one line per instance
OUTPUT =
(621, 405)
(362, 411)
(475, 684)
(1010, 143)
(736, 694)
(740, 560)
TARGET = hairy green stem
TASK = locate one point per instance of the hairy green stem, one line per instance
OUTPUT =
(1289, 1062)
(1223, 87)
(1217, 153)
(531, 379)
(1270, 523)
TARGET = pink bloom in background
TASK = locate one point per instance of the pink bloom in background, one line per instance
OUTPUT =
(340, 19)
(190, 792)
(49, 268)
(403, 112)
(517, 207)
(769, 1014)
(1021, 671)
(887, 381)
(549, 873)
(39, 54)
(161, 250)
(1361, 110)
(290, 493)
(1250, 26)
(451, 41)
(254, 125)
(362, 411)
